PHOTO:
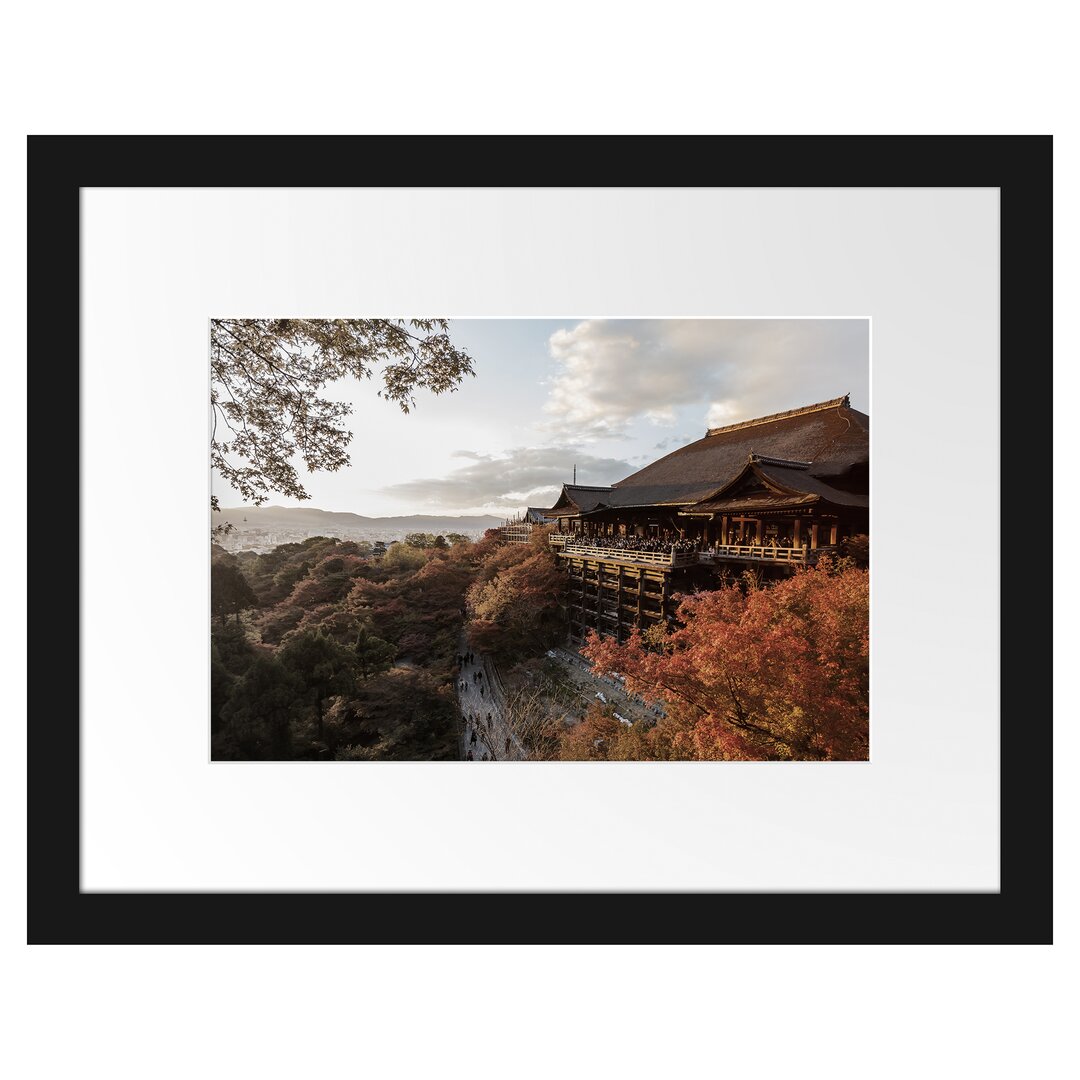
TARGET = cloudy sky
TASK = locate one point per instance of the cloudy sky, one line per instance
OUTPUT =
(609, 395)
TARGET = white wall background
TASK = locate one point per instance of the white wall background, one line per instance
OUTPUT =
(788, 67)
(921, 815)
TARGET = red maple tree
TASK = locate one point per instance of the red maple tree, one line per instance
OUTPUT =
(758, 673)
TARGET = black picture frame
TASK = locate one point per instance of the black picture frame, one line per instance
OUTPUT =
(60, 166)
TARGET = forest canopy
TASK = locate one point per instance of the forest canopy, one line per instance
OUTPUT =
(320, 650)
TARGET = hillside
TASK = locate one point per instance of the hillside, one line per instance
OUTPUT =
(308, 518)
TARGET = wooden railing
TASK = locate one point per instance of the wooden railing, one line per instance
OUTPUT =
(757, 552)
(763, 552)
(629, 555)
(518, 533)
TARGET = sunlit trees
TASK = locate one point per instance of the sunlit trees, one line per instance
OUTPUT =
(403, 557)
(780, 671)
(425, 540)
(515, 607)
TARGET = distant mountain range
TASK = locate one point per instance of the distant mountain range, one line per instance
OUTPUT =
(302, 517)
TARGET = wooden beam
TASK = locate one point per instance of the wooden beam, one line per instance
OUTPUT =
(618, 606)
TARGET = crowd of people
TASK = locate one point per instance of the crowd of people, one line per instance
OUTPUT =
(666, 545)
(464, 662)
(753, 541)
(482, 725)
(662, 546)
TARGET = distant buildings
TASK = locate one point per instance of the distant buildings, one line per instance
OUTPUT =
(518, 530)
(261, 540)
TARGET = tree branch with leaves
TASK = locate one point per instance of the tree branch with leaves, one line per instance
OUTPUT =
(268, 378)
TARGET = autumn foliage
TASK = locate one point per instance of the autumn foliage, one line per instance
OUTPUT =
(334, 653)
(515, 605)
(321, 651)
(751, 672)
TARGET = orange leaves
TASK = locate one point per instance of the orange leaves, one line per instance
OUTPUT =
(515, 603)
(780, 671)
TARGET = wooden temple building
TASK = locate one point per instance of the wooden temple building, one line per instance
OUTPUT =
(774, 493)
(518, 530)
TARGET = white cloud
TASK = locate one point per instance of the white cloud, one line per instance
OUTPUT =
(611, 373)
(525, 476)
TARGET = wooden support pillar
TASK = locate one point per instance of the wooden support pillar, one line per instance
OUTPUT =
(813, 535)
(583, 599)
(723, 530)
(601, 577)
(832, 535)
(796, 538)
(618, 607)
(759, 532)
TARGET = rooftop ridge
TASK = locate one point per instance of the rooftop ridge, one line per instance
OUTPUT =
(786, 463)
(589, 487)
(821, 406)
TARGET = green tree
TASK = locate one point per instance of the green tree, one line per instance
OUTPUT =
(230, 592)
(324, 668)
(373, 654)
(267, 383)
(420, 540)
(257, 717)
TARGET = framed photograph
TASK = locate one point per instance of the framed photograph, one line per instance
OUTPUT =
(383, 481)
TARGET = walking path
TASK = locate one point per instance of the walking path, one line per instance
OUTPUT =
(487, 734)
(580, 673)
